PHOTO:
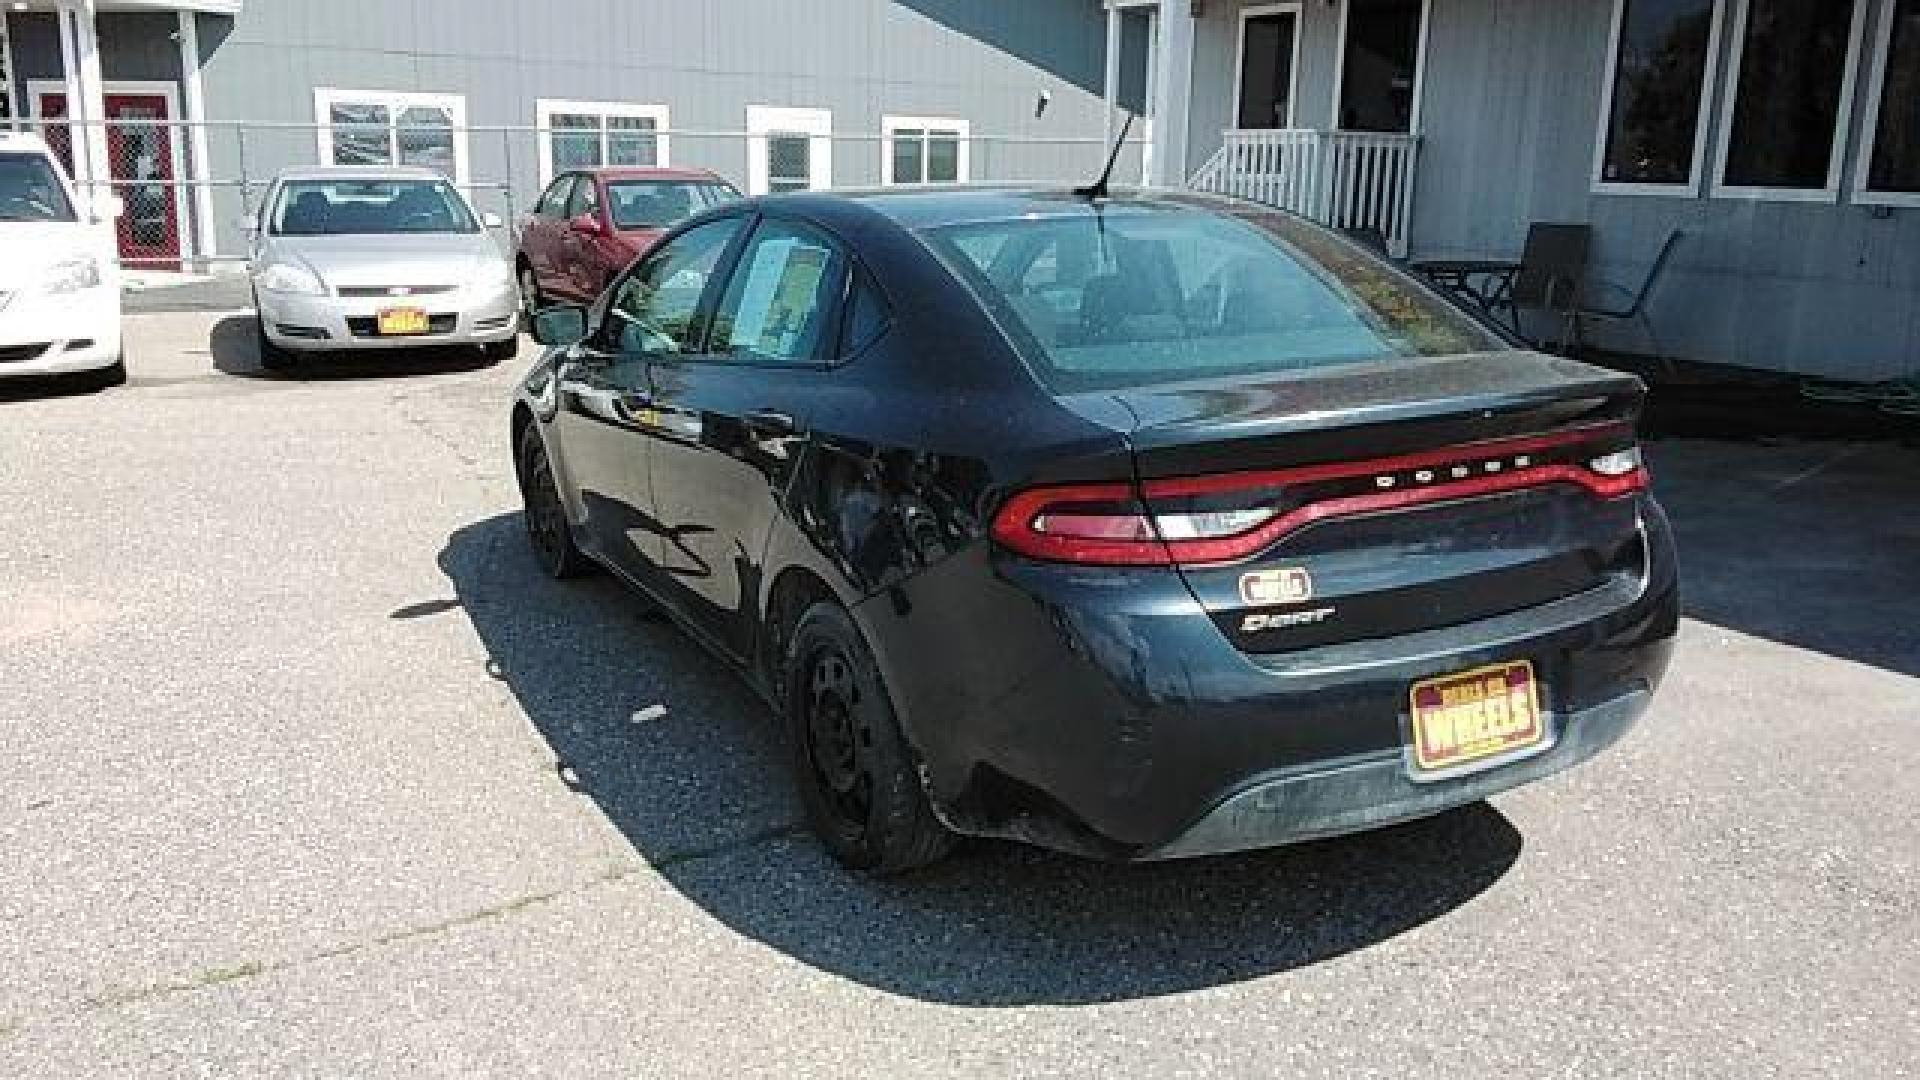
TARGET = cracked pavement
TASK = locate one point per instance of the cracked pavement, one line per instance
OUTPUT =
(310, 773)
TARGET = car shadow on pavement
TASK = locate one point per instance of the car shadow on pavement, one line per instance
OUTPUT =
(703, 795)
(234, 344)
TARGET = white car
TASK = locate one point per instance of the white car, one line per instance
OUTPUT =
(59, 284)
(359, 259)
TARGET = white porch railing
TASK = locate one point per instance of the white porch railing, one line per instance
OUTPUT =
(1345, 179)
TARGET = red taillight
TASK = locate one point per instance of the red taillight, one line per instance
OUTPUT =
(1228, 517)
(1095, 523)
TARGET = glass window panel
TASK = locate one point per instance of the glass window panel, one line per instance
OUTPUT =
(654, 308)
(1659, 78)
(1896, 142)
(426, 138)
(778, 303)
(361, 133)
(909, 165)
(789, 162)
(575, 141)
(631, 141)
(1377, 73)
(1791, 70)
(943, 158)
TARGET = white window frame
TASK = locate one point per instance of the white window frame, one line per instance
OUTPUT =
(1730, 104)
(926, 125)
(1709, 83)
(764, 120)
(1419, 69)
(545, 109)
(1870, 123)
(396, 101)
(7, 75)
(1298, 11)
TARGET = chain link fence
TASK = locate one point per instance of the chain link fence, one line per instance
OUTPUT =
(186, 189)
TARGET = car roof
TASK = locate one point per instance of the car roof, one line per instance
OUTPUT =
(918, 209)
(23, 142)
(636, 172)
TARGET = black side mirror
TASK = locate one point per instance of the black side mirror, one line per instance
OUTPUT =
(560, 326)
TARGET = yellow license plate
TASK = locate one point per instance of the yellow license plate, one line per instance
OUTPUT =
(1476, 715)
(401, 322)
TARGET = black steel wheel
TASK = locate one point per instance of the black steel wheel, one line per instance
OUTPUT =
(548, 531)
(857, 776)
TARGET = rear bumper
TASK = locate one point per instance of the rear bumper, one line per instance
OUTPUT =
(325, 323)
(1369, 793)
(1106, 714)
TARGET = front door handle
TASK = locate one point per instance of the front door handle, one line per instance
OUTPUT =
(771, 423)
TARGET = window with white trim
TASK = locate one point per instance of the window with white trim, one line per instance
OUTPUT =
(788, 149)
(379, 127)
(1653, 120)
(591, 134)
(923, 150)
(1889, 171)
(1784, 130)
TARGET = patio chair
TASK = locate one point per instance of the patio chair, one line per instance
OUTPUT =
(1551, 275)
(1637, 310)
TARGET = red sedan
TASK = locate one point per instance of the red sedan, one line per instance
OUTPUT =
(590, 223)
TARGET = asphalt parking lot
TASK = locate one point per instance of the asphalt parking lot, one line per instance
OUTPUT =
(308, 772)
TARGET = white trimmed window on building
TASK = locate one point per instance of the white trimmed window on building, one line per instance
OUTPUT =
(924, 150)
(380, 127)
(591, 134)
(788, 149)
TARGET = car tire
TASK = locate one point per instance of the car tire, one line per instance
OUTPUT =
(858, 778)
(549, 532)
(531, 299)
(106, 378)
(273, 357)
(499, 352)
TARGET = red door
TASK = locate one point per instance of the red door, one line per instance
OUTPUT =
(140, 160)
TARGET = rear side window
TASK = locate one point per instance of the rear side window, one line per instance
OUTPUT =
(30, 190)
(780, 304)
(1137, 295)
(866, 318)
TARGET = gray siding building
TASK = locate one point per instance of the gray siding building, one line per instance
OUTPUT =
(1771, 147)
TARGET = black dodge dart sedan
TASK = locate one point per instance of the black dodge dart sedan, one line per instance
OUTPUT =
(1142, 526)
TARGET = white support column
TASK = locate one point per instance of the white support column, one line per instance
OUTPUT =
(196, 168)
(1111, 89)
(1172, 63)
(86, 102)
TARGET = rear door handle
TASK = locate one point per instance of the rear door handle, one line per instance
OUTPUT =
(769, 423)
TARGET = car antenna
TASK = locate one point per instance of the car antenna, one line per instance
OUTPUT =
(1098, 189)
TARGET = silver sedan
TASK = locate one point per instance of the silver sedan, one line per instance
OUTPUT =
(351, 259)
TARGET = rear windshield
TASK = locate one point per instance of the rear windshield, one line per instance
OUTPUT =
(1133, 295)
(656, 204)
(31, 191)
(340, 207)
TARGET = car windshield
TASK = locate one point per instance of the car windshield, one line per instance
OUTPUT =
(341, 207)
(30, 190)
(1132, 295)
(656, 204)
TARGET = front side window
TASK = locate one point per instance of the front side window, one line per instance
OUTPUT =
(553, 203)
(586, 199)
(780, 303)
(362, 207)
(1786, 131)
(1893, 164)
(592, 135)
(1662, 57)
(656, 204)
(1143, 295)
(1379, 71)
(655, 307)
(30, 190)
(924, 151)
(376, 128)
